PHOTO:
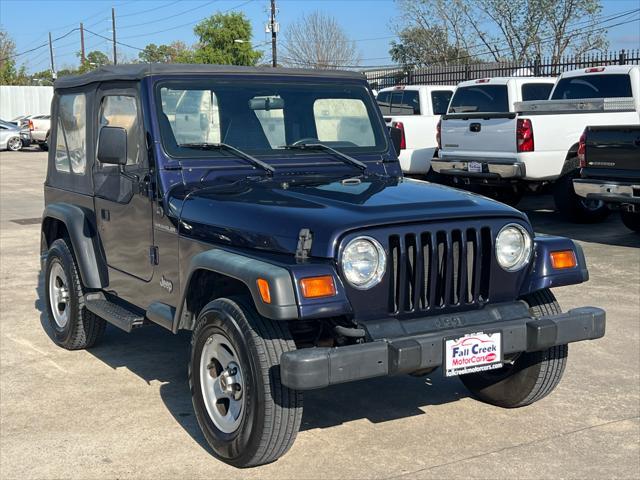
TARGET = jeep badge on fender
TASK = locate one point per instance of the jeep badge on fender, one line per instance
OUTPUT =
(264, 210)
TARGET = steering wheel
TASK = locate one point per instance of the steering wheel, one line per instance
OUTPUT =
(305, 140)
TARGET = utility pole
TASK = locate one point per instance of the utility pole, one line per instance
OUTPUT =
(82, 56)
(274, 27)
(53, 67)
(113, 26)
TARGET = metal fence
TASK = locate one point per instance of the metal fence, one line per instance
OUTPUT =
(454, 74)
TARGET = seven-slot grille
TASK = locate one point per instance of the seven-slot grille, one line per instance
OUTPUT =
(439, 269)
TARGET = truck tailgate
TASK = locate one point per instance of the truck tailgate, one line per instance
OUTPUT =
(481, 135)
(615, 146)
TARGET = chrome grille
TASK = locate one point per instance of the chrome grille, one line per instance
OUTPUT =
(439, 269)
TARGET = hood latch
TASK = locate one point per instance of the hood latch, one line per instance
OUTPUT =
(305, 239)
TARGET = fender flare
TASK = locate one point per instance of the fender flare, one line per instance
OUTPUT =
(283, 306)
(93, 271)
(542, 274)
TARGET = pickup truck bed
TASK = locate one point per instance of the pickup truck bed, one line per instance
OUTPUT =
(610, 160)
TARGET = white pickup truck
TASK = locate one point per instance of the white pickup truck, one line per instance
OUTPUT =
(415, 110)
(535, 143)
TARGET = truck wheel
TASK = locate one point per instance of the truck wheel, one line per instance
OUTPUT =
(74, 327)
(575, 208)
(531, 376)
(631, 220)
(44, 146)
(247, 416)
(506, 195)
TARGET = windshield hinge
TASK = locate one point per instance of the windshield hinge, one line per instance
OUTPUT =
(305, 239)
(154, 255)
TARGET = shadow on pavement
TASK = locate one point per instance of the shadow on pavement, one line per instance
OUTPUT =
(155, 354)
(541, 212)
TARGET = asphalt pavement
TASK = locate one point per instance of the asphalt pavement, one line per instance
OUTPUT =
(123, 408)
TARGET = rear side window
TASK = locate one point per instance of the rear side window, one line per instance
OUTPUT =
(384, 102)
(399, 102)
(536, 91)
(480, 98)
(440, 101)
(593, 86)
(71, 136)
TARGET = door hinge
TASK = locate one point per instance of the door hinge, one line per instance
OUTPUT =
(154, 255)
(305, 240)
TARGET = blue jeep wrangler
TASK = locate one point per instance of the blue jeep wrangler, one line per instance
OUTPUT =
(265, 211)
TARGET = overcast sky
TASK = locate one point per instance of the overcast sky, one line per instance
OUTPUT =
(140, 22)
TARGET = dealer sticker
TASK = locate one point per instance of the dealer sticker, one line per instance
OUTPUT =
(475, 167)
(475, 352)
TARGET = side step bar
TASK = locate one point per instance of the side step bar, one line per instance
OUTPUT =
(113, 313)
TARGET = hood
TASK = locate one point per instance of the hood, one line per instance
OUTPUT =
(269, 214)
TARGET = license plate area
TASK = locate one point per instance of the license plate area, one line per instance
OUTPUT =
(474, 167)
(474, 352)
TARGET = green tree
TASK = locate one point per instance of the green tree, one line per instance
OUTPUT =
(421, 47)
(217, 43)
(10, 73)
(172, 53)
(93, 60)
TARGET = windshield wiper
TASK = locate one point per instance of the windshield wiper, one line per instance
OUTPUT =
(229, 148)
(321, 146)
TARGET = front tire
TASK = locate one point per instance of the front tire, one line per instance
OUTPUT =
(575, 208)
(74, 327)
(532, 375)
(631, 220)
(245, 413)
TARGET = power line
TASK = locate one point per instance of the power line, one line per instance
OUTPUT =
(167, 17)
(184, 24)
(110, 39)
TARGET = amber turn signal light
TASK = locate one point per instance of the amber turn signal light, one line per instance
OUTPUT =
(563, 259)
(316, 287)
(263, 287)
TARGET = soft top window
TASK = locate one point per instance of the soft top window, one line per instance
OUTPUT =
(71, 150)
(262, 117)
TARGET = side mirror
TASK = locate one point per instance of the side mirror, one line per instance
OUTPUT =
(396, 138)
(112, 146)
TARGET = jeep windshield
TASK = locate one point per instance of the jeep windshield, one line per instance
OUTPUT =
(267, 118)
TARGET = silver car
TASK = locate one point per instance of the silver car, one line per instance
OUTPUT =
(13, 137)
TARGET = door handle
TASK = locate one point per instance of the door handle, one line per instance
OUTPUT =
(475, 127)
(105, 214)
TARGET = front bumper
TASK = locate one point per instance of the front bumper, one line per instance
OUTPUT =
(490, 170)
(421, 344)
(607, 191)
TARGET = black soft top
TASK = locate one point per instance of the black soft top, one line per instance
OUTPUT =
(137, 71)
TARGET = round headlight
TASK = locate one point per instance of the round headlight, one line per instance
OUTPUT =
(513, 247)
(364, 262)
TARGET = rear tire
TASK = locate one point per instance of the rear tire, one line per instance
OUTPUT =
(575, 208)
(14, 144)
(507, 195)
(256, 420)
(532, 376)
(44, 146)
(74, 327)
(631, 220)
